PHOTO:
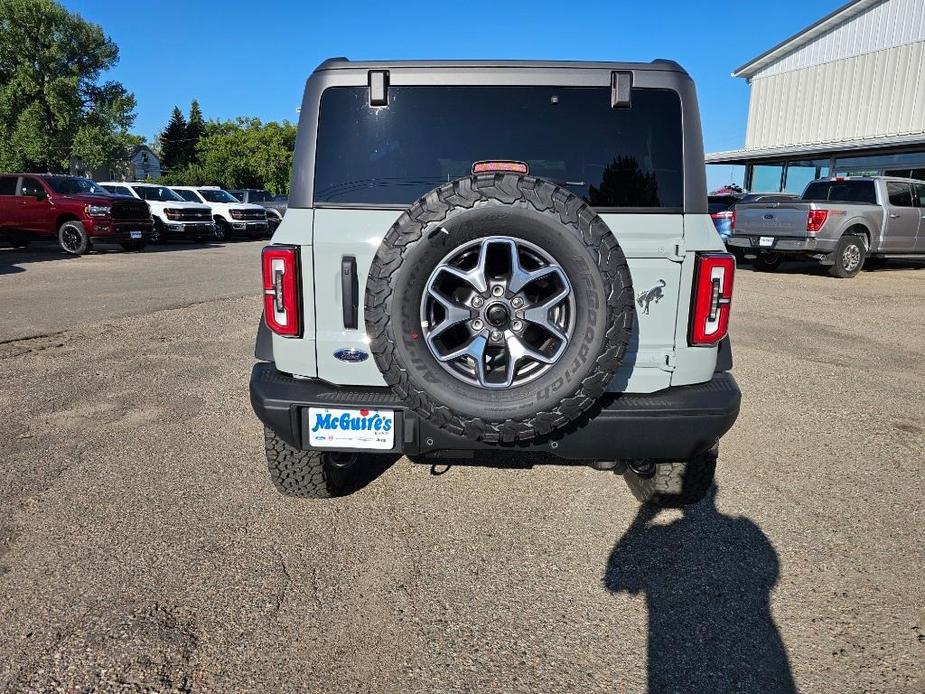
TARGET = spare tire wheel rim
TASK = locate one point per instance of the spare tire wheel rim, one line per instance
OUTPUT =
(497, 312)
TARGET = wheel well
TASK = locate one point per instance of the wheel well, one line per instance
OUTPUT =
(66, 217)
(859, 230)
(219, 219)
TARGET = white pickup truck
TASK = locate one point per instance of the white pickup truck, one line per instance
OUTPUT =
(841, 222)
(232, 217)
(174, 218)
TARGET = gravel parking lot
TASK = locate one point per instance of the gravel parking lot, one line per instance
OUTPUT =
(142, 545)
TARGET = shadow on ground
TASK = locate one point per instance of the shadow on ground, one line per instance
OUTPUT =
(15, 260)
(811, 267)
(707, 579)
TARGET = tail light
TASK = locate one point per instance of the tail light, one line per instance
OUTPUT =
(281, 290)
(815, 219)
(725, 214)
(712, 298)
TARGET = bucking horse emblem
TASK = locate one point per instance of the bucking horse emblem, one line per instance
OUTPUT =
(646, 298)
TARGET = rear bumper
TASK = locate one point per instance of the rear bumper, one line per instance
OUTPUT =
(782, 244)
(673, 424)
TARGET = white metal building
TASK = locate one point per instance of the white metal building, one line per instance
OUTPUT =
(845, 96)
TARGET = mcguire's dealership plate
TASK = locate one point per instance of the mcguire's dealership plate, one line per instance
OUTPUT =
(351, 428)
(134, 234)
(766, 241)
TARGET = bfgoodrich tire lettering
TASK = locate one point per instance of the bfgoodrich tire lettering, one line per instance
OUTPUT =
(520, 207)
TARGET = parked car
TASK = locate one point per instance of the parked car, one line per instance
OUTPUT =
(509, 307)
(174, 218)
(275, 205)
(75, 211)
(841, 222)
(722, 208)
(232, 217)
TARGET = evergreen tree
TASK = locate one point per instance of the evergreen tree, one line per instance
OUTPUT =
(195, 126)
(173, 142)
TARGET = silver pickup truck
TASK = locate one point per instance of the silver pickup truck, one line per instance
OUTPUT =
(841, 222)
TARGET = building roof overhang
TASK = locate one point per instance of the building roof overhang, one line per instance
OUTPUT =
(748, 156)
(801, 38)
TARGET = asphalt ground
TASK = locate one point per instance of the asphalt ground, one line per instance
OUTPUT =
(143, 547)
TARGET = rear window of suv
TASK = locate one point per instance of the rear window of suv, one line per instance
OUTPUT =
(841, 191)
(613, 158)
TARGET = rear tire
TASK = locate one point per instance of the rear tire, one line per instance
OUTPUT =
(73, 239)
(674, 483)
(306, 474)
(767, 262)
(849, 255)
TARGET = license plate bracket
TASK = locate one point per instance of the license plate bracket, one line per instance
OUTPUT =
(766, 241)
(350, 428)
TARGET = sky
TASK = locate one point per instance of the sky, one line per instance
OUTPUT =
(252, 58)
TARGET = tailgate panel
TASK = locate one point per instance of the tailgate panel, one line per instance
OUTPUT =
(771, 220)
(647, 240)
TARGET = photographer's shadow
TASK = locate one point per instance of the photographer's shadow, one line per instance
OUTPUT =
(707, 579)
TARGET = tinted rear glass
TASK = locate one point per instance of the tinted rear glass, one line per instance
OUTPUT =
(430, 135)
(842, 191)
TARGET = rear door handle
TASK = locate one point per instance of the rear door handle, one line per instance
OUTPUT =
(350, 290)
(894, 216)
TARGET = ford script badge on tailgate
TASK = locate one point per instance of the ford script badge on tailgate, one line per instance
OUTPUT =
(352, 356)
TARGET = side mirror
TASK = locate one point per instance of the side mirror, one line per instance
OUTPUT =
(40, 195)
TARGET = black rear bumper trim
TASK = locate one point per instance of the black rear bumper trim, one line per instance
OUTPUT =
(672, 424)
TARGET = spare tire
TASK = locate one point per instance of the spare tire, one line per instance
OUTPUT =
(498, 307)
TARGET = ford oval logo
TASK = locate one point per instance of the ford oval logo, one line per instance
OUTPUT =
(352, 356)
(769, 216)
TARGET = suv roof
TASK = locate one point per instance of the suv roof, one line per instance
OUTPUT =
(341, 63)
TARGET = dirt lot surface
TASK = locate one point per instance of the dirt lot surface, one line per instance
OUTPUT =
(142, 545)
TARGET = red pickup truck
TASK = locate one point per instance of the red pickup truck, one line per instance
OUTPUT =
(75, 211)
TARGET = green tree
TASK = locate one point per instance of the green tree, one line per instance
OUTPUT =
(172, 141)
(52, 105)
(195, 126)
(242, 153)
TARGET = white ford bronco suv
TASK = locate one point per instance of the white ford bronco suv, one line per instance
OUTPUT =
(496, 261)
